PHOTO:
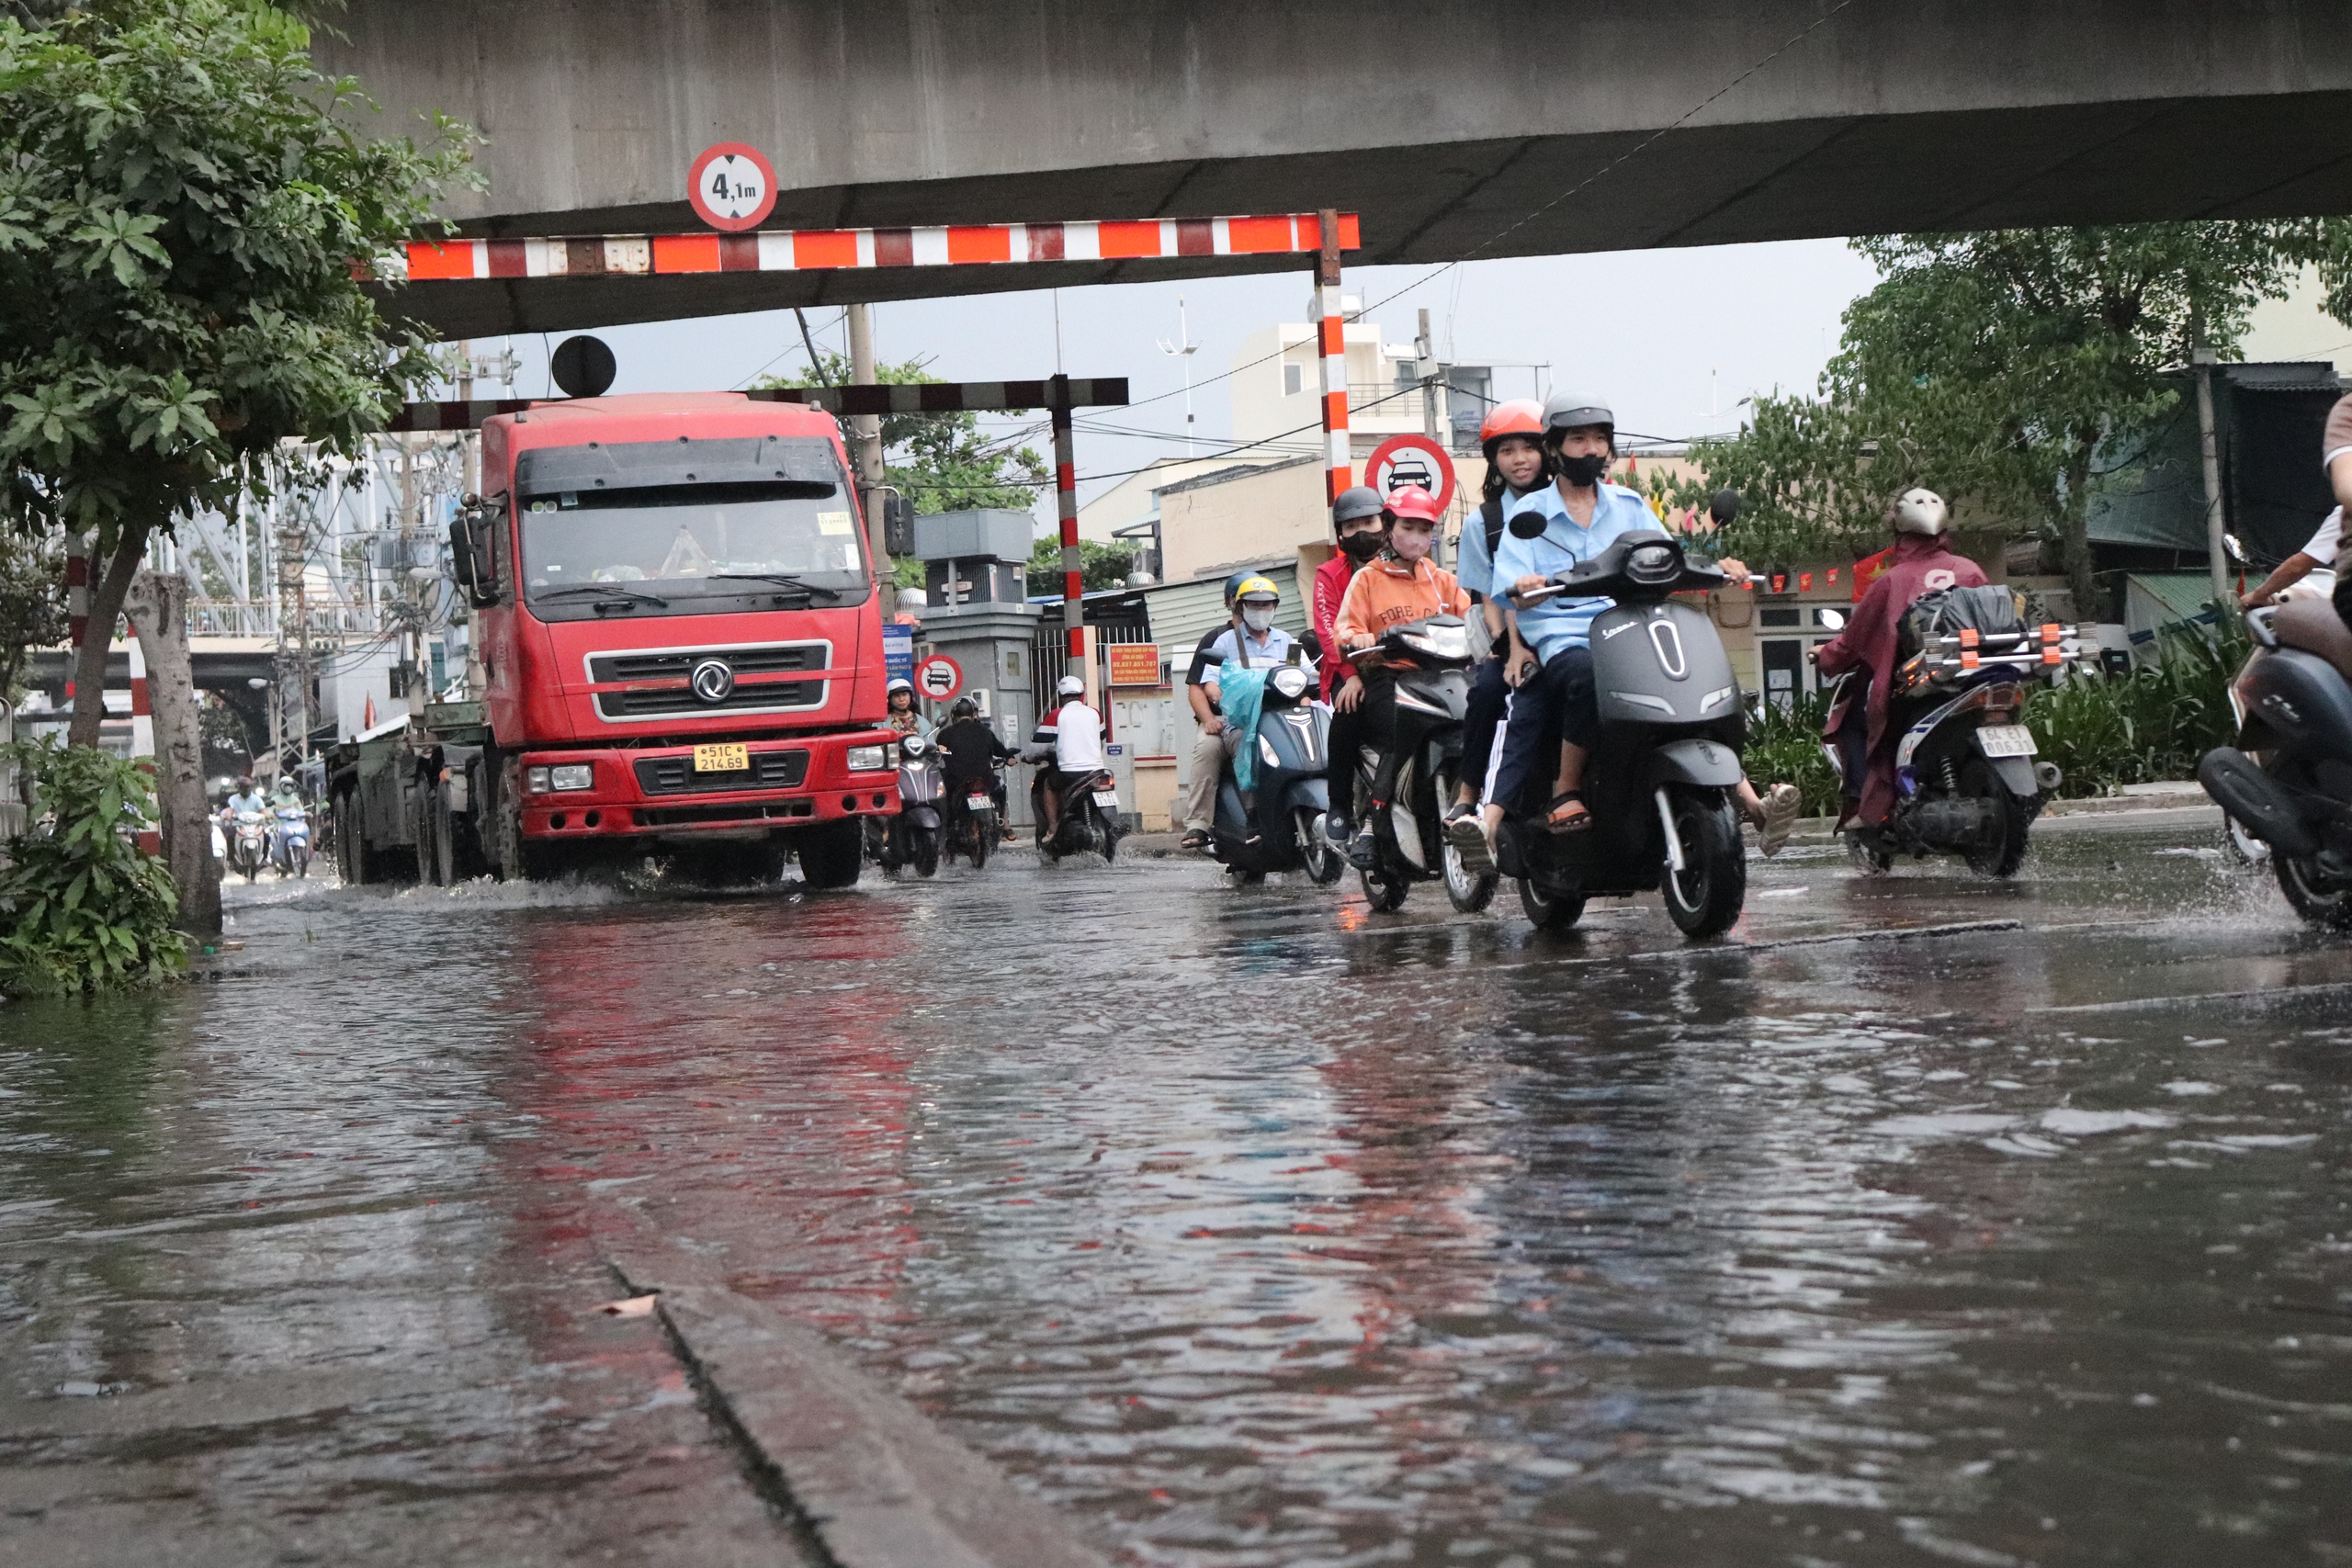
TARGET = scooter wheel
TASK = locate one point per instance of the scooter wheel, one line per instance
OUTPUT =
(1385, 890)
(1703, 898)
(1549, 912)
(1246, 879)
(1865, 857)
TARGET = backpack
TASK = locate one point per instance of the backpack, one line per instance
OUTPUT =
(1947, 612)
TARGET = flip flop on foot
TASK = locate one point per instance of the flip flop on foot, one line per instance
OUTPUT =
(1197, 839)
(1566, 815)
(1468, 836)
(1781, 803)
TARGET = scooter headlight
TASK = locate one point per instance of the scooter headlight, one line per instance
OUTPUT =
(1290, 681)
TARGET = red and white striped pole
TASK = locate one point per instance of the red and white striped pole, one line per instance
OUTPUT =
(1339, 461)
(1066, 507)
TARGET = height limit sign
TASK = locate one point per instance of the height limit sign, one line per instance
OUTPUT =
(732, 187)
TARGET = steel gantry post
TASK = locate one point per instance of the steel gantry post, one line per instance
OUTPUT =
(1338, 460)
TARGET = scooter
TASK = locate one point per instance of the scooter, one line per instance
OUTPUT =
(1280, 828)
(2288, 782)
(290, 840)
(1965, 775)
(1431, 660)
(1660, 779)
(248, 843)
(972, 832)
(914, 836)
(1090, 816)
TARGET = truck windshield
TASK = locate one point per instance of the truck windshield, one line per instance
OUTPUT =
(686, 541)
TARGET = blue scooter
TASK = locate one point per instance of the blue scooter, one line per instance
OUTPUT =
(1280, 828)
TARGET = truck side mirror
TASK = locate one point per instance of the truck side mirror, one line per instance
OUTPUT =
(898, 522)
(473, 559)
(462, 551)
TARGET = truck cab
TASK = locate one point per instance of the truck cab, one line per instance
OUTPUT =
(679, 646)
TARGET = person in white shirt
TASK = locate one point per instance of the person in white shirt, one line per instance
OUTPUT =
(2311, 570)
(1075, 747)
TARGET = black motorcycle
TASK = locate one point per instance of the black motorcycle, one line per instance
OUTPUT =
(1432, 661)
(2288, 782)
(1965, 776)
(1660, 779)
(1280, 827)
(913, 837)
(972, 821)
(1090, 819)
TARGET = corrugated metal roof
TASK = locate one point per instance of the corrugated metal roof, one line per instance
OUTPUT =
(1181, 612)
(2153, 601)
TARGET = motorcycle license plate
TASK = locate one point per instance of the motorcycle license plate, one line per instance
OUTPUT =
(1106, 798)
(734, 757)
(977, 802)
(2006, 741)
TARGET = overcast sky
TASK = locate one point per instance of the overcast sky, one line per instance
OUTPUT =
(1673, 338)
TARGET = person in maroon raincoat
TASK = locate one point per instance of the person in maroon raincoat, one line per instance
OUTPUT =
(1920, 563)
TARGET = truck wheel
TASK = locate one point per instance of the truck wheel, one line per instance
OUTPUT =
(830, 855)
(430, 857)
(350, 861)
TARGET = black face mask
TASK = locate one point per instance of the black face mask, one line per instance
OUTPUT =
(1362, 545)
(1582, 473)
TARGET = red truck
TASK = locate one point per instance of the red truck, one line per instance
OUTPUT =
(678, 645)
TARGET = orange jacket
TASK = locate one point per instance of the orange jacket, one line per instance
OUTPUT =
(1390, 594)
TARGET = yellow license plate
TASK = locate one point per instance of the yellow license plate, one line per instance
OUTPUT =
(728, 759)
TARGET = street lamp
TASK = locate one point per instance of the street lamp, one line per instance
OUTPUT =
(1183, 348)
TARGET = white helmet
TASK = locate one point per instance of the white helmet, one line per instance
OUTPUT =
(1071, 687)
(1918, 511)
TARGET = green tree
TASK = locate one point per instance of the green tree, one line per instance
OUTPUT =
(1100, 566)
(1996, 367)
(941, 461)
(32, 605)
(186, 218)
(81, 905)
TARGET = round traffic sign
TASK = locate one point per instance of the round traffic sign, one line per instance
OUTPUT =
(939, 678)
(1411, 461)
(732, 187)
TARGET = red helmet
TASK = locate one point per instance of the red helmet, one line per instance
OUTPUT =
(1521, 416)
(1412, 500)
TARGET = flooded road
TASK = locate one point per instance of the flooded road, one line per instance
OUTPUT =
(1245, 1227)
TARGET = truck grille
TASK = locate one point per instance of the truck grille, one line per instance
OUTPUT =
(676, 775)
(743, 699)
(676, 665)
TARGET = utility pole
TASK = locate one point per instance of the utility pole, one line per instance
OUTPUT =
(867, 429)
(2200, 356)
(1425, 366)
(1183, 348)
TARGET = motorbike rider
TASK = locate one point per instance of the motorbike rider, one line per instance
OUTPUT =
(1360, 523)
(1922, 562)
(902, 716)
(1511, 438)
(1250, 639)
(1400, 588)
(244, 797)
(968, 752)
(1075, 746)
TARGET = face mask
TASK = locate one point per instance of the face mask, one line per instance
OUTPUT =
(1583, 473)
(1256, 619)
(1410, 545)
(1363, 544)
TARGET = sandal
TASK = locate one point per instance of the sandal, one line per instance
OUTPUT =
(1197, 839)
(1576, 821)
(1781, 803)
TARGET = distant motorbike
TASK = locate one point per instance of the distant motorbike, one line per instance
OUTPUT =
(1965, 774)
(972, 823)
(1090, 819)
(1660, 779)
(913, 837)
(1281, 827)
(248, 842)
(1431, 661)
(290, 836)
(2288, 782)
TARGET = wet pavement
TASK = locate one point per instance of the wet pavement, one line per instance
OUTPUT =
(1245, 1227)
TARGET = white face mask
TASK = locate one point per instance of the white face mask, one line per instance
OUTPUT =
(1256, 619)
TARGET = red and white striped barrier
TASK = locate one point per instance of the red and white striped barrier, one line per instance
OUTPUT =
(921, 396)
(1338, 462)
(811, 250)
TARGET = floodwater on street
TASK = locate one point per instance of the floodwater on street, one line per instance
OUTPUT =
(1244, 1226)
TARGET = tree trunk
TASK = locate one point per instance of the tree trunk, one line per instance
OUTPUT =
(90, 659)
(158, 607)
(2075, 535)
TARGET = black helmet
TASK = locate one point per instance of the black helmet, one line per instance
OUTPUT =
(965, 708)
(1564, 412)
(1357, 500)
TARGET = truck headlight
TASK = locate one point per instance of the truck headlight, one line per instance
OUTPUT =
(869, 759)
(535, 780)
(572, 775)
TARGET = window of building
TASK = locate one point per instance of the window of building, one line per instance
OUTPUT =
(1294, 379)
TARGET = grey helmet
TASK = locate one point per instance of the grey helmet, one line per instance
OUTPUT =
(1357, 500)
(1570, 410)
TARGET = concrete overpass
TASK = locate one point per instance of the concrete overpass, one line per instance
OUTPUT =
(1457, 127)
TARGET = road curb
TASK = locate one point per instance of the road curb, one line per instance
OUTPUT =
(871, 1481)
